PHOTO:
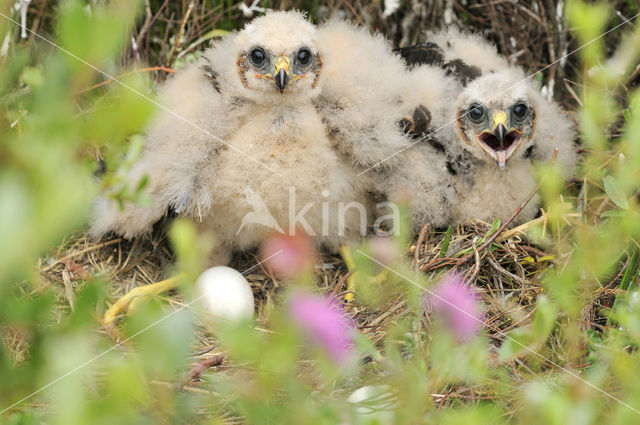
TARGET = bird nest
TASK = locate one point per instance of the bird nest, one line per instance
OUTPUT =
(508, 275)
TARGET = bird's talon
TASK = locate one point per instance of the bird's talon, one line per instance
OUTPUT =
(421, 120)
(407, 125)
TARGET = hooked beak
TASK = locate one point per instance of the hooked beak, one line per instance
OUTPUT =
(500, 143)
(500, 133)
(281, 76)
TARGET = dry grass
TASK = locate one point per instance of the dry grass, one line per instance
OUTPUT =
(530, 33)
(508, 277)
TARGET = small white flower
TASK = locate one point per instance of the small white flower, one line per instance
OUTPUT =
(390, 6)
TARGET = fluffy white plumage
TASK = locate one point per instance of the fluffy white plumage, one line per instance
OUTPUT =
(360, 98)
(368, 89)
(486, 191)
(275, 145)
(470, 48)
(494, 166)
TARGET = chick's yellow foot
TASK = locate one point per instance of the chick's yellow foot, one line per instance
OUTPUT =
(128, 301)
(356, 276)
(347, 257)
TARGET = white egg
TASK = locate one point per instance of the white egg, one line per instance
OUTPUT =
(225, 293)
(374, 403)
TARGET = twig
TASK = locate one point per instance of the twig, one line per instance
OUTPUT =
(179, 37)
(476, 266)
(572, 92)
(196, 370)
(438, 263)
(340, 284)
(416, 254)
(205, 351)
(75, 254)
(530, 13)
(353, 10)
(111, 80)
(634, 75)
(550, 48)
(37, 20)
(506, 224)
(396, 304)
(153, 20)
(520, 229)
(533, 250)
(68, 288)
(500, 269)
(444, 398)
(147, 23)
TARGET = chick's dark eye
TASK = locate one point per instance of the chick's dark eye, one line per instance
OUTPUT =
(257, 56)
(520, 110)
(304, 56)
(475, 113)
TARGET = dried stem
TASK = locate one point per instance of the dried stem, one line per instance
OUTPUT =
(172, 57)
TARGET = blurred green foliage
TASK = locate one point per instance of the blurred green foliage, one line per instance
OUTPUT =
(73, 373)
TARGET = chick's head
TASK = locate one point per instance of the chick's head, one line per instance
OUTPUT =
(279, 56)
(496, 116)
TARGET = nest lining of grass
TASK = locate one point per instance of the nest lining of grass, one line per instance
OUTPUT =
(508, 277)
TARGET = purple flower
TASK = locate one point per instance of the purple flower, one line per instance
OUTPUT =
(324, 321)
(457, 305)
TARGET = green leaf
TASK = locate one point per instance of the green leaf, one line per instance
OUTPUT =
(516, 342)
(217, 33)
(494, 228)
(632, 269)
(612, 213)
(524, 339)
(32, 76)
(445, 242)
(614, 192)
(543, 319)
(365, 345)
(144, 181)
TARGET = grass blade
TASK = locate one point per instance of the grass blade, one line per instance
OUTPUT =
(445, 242)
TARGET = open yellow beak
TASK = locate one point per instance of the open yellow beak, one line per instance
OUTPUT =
(500, 143)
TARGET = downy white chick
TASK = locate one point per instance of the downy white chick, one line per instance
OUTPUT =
(241, 150)
(367, 90)
(504, 125)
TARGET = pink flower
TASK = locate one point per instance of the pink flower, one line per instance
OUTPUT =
(324, 321)
(287, 256)
(384, 250)
(458, 305)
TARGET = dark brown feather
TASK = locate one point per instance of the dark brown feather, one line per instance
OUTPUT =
(426, 53)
